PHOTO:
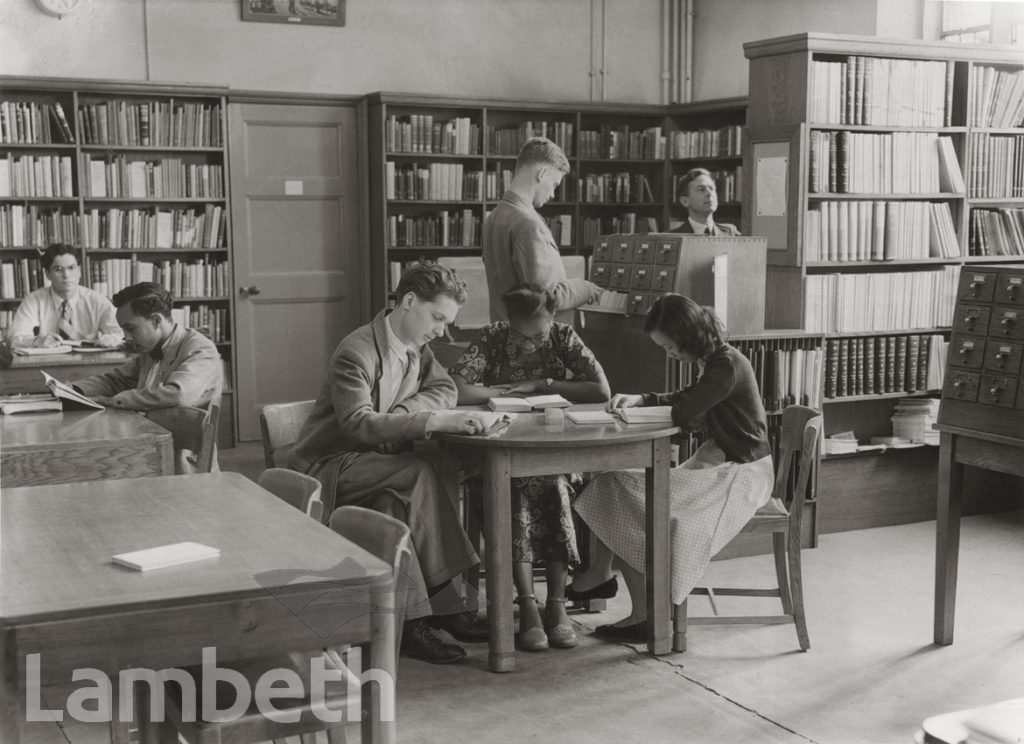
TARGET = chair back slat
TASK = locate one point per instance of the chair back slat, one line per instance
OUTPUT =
(192, 429)
(280, 424)
(298, 489)
(808, 457)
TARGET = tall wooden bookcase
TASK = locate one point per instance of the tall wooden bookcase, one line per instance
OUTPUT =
(438, 165)
(836, 126)
(135, 176)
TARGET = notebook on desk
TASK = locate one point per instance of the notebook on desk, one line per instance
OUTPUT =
(166, 556)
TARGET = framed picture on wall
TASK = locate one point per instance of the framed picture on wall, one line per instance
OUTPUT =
(304, 12)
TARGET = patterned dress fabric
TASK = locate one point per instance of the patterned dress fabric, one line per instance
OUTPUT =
(542, 527)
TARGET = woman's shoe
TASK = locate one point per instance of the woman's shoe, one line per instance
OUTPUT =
(607, 590)
(531, 639)
(560, 634)
(635, 633)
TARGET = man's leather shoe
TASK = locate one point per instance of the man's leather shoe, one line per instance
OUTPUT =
(607, 590)
(420, 642)
(463, 626)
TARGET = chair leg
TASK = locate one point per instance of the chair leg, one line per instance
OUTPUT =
(679, 626)
(796, 581)
(475, 534)
(779, 548)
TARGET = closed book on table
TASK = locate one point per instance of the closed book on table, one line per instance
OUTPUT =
(645, 414)
(166, 556)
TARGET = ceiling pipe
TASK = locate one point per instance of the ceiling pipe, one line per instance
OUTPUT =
(666, 51)
(688, 53)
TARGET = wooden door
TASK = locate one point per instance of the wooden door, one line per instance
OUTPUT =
(298, 252)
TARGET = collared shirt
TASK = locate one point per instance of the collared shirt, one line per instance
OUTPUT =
(403, 363)
(93, 317)
(699, 229)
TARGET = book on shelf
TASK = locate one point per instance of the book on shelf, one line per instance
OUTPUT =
(590, 418)
(66, 392)
(951, 177)
(166, 556)
(645, 414)
(528, 403)
(29, 403)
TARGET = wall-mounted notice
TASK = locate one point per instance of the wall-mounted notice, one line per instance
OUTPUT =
(770, 186)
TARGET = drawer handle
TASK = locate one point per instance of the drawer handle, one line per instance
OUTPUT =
(969, 320)
(1001, 357)
(965, 351)
(1011, 290)
(959, 386)
(974, 287)
(994, 392)
(1007, 324)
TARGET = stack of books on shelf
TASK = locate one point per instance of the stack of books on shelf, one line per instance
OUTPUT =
(419, 133)
(846, 303)
(18, 278)
(151, 124)
(618, 143)
(615, 188)
(914, 418)
(156, 229)
(36, 176)
(856, 162)
(997, 97)
(166, 178)
(198, 278)
(34, 122)
(786, 376)
(726, 141)
(627, 222)
(30, 226)
(884, 364)
(880, 91)
(997, 232)
(879, 231)
(433, 182)
(446, 227)
(561, 228)
(997, 166)
(507, 141)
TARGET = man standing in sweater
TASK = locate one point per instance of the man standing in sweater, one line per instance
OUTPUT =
(517, 244)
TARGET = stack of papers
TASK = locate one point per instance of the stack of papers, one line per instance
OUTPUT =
(914, 418)
(29, 402)
(841, 443)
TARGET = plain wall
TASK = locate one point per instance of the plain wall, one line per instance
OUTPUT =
(538, 49)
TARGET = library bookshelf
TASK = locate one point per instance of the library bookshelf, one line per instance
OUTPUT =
(880, 170)
(132, 175)
(438, 165)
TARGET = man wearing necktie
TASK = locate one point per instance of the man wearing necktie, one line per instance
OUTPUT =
(384, 390)
(699, 195)
(64, 311)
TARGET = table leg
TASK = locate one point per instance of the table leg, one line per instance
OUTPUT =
(659, 600)
(949, 507)
(383, 661)
(12, 697)
(498, 546)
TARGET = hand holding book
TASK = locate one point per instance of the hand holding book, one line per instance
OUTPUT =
(65, 391)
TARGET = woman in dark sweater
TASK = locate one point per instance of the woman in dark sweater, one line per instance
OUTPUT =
(712, 495)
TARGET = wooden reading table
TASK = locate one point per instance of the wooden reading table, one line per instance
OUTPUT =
(25, 372)
(531, 447)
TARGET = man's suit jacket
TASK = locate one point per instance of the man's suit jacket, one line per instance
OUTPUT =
(721, 229)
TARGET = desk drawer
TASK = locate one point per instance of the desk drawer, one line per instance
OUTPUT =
(972, 319)
(666, 254)
(622, 251)
(961, 385)
(641, 278)
(600, 274)
(602, 250)
(976, 286)
(618, 276)
(643, 252)
(1010, 289)
(997, 390)
(639, 303)
(1003, 357)
(1006, 323)
(967, 351)
(664, 280)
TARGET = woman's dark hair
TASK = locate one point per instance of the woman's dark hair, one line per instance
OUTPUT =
(427, 281)
(528, 300)
(57, 249)
(694, 329)
(145, 299)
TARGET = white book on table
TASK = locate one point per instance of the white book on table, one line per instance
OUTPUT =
(165, 556)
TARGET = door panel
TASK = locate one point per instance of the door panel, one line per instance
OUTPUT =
(294, 185)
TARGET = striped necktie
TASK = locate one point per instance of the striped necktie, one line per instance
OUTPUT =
(65, 327)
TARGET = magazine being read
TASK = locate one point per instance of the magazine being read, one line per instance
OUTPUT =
(66, 392)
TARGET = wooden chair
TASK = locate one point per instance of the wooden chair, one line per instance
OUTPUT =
(801, 432)
(280, 424)
(298, 489)
(193, 429)
(381, 535)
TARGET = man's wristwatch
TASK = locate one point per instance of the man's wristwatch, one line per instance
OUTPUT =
(549, 381)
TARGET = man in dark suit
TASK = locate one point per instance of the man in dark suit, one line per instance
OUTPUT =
(700, 197)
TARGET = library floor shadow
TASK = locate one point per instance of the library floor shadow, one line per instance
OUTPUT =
(872, 674)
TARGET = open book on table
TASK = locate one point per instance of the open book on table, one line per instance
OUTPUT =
(531, 403)
(645, 414)
(66, 392)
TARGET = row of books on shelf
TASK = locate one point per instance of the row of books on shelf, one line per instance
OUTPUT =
(997, 97)
(618, 188)
(213, 322)
(728, 184)
(32, 226)
(879, 231)
(151, 124)
(725, 141)
(848, 303)
(996, 232)
(34, 122)
(166, 178)
(997, 166)
(786, 376)
(455, 227)
(507, 141)
(420, 133)
(19, 277)
(875, 365)
(36, 176)
(896, 163)
(183, 279)
(627, 222)
(155, 229)
(433, 182)
(881, 91)
(618, 143)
